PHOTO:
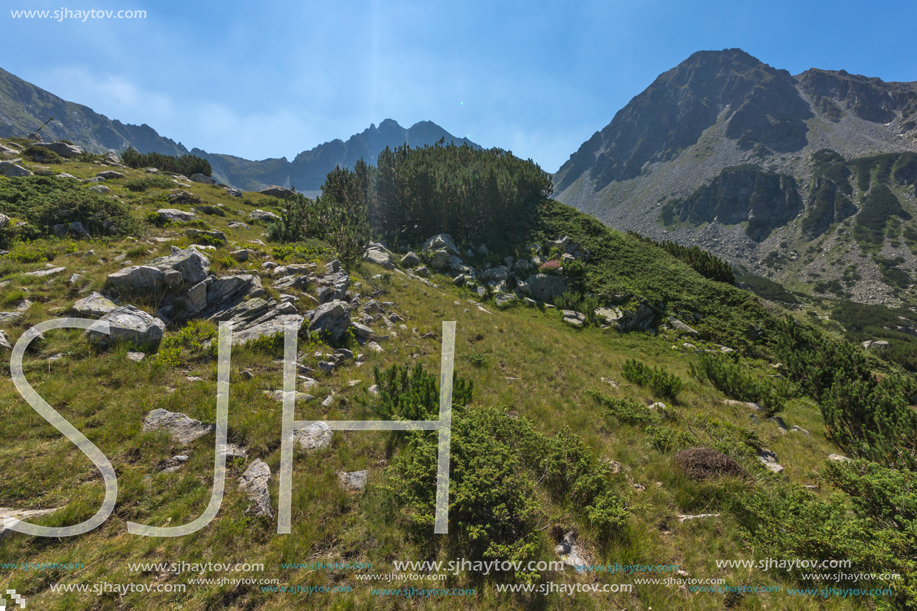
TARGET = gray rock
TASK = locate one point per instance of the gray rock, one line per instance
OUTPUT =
(410, 260)
(110, 175)
(101, 189)
(184, 197)
(353, 481)
(441, 241)
(573, 318)
(544, 287)
(183, 429)
(227, 291)
(422, 271)
(875, 344)
(196, 297)
(94, 306)
(243, 254)
(504, 299)
(609, 315)
(129, 324)
(570, 551)
(314, 437)
(333, 317)
(254, 482)
(682, 326)
(207, 209)
(362, 331)
(439, 260)
(176, 216)
(641, 318)
(275, 191)
(277, 395)
(263, 216)
(379, 257)
(138, 279)
(745, 404)
(799, 429)
(233, 192)
(78, 229)
(192, 265)
(136, 356)
(41, 273)
(204, 180)
(266, 329)
(839, 458)
(11, 169)
(560, 244)
(61, 148)
(4, 220)
(5, 341)
(213, 235)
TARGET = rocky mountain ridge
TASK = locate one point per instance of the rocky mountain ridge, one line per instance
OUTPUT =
(730, 142)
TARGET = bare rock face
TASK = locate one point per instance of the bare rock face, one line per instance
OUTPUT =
(192, 265)
(254, 482)
(183, 429)
(129, 324)
(12, 169)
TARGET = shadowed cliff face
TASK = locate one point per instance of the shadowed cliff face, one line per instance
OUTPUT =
(761, 104)
(764, 200)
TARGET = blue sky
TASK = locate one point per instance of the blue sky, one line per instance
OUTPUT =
(272, 79)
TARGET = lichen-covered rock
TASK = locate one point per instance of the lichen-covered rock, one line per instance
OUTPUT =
(128, 324)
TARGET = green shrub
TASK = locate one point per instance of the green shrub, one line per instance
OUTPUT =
(345, 229)
(707, 265)
(149, 182)
(628, 411)
(406, 394)
(198, 337)
(185, 165)
(39, 154)
(658, 380)
(737, 382)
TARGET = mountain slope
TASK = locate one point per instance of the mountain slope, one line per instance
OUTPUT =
(720, 152)
(308, 170)
(24, 107)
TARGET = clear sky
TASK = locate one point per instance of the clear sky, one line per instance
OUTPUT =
(271, 79)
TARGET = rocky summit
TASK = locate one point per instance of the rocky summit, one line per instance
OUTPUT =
(743, 159)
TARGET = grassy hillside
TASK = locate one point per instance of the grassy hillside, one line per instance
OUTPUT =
(563, 437)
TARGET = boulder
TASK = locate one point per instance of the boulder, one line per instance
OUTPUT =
(5, 341)
(439, 260)
(11, 169)
(61, 148)
(4, 220)
(544, 287)
(204, 180)
(192, 265)
(441, 241)
(504, 299)
(184, 197)
(422, 271)
(208, 209)
(233, 192)
(138, 279)
(379, 257)
(362, 331)
(410, 260)
(275, 191)
(243, 254)
(127, 323)
(226, 291)
(333, 317)
(94, 306)
(110, 175)
(196, 234)
(571, 317)
(313, 437)
(270, 327)
(183, 429)
(608, 316)
(173, 215)
(254, 482)
(677, 324)
(880, 344)
(262, 215)
(838, 458)
(560, 244)
(353, 481)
